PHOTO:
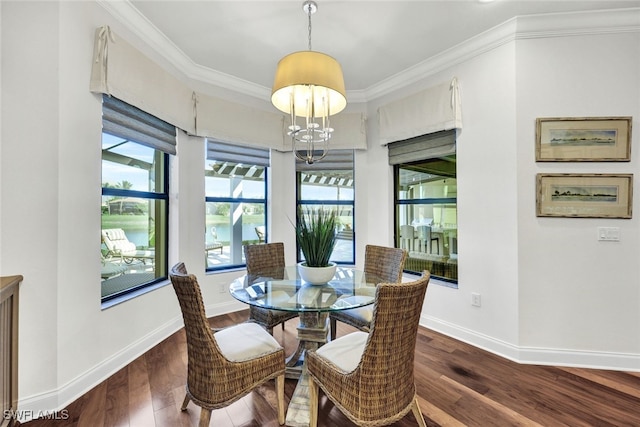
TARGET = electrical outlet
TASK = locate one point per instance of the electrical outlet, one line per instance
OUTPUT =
(475, 299)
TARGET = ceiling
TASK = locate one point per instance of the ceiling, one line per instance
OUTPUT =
(373, 40)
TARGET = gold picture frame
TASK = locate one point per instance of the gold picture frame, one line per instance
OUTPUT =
(584, 195)
(583, 139)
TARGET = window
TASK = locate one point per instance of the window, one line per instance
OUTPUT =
(426, 203)
(235, 202)
(329, 183)
(135, 198)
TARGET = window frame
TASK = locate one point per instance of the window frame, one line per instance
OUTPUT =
(237, 200)
(429, 147)
(301, 203)
(148, 195)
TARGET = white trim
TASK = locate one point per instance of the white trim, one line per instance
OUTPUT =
(536, 356)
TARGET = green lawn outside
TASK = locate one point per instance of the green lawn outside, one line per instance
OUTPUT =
(215, 220)
(126, 222)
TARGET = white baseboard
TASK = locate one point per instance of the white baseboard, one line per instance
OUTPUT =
(51, 403)
(536, 356)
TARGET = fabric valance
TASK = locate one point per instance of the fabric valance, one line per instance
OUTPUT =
(227, 121)
(435, 109)
(350, 132)
(121, 70)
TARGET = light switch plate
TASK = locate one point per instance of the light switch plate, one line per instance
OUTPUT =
(609, 234)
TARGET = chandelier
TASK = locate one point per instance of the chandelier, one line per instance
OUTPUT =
(309, 86)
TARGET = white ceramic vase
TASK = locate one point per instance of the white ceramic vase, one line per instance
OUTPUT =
(316, 275)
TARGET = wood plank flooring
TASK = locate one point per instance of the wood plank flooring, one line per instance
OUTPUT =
(458, 385)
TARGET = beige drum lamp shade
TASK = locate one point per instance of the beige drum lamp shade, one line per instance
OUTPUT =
(299, 74)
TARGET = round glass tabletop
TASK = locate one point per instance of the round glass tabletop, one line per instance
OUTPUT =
(283, 289)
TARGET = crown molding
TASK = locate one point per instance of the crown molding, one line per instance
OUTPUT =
(520, 27)
(125, 13)
(483, 42)
(614, 21)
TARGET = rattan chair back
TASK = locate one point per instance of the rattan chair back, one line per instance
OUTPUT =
(381, 390)
(381, 264)
(213, 381)
(384, 263)
(266, 260)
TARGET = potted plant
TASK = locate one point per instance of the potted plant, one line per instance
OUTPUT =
(316, 237)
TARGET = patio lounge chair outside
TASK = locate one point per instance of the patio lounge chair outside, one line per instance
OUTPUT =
(212, 246)
(118, 245)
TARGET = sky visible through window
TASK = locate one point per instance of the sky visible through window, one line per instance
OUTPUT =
(114, 173)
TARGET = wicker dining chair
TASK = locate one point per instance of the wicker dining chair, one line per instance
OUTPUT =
(386, 264)
(369, 376)
(267, 260)
(224, 366)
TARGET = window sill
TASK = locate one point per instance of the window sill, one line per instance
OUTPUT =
(409, 277)
(134, 294)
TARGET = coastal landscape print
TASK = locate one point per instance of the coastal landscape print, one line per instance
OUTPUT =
(584, 195)
(583, 137)
(588, 139)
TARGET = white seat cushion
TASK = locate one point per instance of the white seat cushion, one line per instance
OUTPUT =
(345, 352)
(245, 341)
(364, 314)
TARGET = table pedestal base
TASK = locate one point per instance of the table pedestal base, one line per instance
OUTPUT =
(298, 410)
(312, 333)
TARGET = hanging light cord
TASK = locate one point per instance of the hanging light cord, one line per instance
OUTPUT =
(309, 12)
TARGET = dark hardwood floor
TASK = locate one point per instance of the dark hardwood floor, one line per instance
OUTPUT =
(457, 385)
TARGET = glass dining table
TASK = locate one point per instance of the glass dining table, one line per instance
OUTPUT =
(283, 289)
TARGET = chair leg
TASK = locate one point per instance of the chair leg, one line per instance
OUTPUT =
(313, 402)
(417, 413)
(185, 402)
(333, 326)
(205, 417)
(280, 394)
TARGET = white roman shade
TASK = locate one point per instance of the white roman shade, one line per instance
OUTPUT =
(121, 70)
(431, 110)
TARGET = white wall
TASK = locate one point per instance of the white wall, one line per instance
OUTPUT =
(543, 293)
(577, 294)
(487, 211)
(30, 183)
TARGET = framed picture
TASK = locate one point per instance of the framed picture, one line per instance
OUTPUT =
(588, 139)
(584, 196)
